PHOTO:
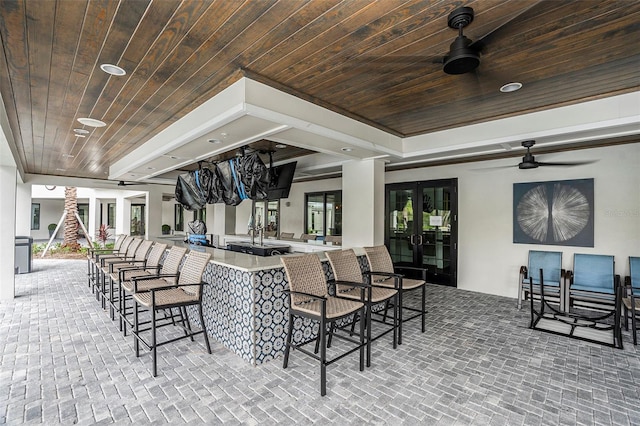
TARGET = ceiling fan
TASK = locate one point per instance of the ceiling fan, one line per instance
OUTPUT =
(529, 161)
(464, 54)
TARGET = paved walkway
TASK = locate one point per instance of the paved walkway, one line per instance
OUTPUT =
(64, 361)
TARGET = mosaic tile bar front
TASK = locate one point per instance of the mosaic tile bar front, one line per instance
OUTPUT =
(248, 312)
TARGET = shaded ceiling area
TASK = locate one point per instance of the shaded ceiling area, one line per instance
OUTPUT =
(377, 62)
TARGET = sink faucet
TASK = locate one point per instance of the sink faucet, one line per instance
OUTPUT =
(253, 228)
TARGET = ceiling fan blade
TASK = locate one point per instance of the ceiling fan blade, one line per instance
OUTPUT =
(123, 183)
(566, 164)
(387, 64)
(480, 44)
(488, 169)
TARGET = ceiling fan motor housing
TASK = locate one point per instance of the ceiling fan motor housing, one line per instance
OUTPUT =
(531, 164)
(461, 59)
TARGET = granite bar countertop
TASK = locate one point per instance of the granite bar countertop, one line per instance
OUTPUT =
(247, 262)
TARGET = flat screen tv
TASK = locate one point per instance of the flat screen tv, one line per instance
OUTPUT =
(280, 178)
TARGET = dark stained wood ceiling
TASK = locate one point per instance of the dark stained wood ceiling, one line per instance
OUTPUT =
(374, 61)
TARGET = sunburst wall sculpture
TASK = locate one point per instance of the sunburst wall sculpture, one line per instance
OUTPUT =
(554, 212)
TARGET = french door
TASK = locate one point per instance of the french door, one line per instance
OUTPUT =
(421, 227)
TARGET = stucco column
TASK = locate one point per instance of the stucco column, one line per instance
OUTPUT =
(123, 215)
(23, 209)
(363, 203)
(153, 212)
(94, 216)
(8, 181)
(223, 222)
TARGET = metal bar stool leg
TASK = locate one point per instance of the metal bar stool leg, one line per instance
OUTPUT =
(287, 345)
(204, 329)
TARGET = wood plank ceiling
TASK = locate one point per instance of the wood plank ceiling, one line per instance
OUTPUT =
(371, 60)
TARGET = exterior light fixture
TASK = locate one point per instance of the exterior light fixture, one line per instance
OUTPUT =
(91, 122)
(113, 69)
(511, 87)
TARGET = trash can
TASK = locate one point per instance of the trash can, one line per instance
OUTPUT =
(23, 260)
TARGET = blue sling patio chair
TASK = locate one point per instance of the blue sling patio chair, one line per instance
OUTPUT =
(550, 262)
(631, 296)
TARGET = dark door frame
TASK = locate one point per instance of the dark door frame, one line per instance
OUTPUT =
(417, 237)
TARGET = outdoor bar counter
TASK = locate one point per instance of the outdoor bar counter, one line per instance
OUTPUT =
(244, 306)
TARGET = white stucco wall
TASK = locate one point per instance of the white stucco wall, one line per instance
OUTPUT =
(168, 213)
(50, 212)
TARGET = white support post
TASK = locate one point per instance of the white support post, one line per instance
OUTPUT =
(86, 234)
(8, 181)
(363, 203)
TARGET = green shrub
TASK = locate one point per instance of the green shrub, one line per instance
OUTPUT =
(37, 248)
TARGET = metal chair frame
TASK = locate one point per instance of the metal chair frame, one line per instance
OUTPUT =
(398, 283)
(321, 318)
(630, 300)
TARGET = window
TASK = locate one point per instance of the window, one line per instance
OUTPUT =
(35, 216)
(178, 217)
(83, 212)
(200, 214)
(111, 215)
(323, 213)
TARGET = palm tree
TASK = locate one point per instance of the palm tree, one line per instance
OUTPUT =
(70, 221)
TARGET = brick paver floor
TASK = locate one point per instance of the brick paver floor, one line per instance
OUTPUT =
(64, 361)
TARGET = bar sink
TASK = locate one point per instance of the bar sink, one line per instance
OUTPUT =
(259, 249)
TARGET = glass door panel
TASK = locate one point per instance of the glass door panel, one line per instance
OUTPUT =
(315, 214)
(137, 219)
(334, 213)
(401, 235)
(273, 216)
(436, 231)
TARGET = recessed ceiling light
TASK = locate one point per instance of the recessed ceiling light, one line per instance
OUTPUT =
(91, 122)
(347, 149)
(281, 146)
(112, 69)
(151, 168)
(511, 87)
(214, 141)
(68, 155)
(61, 170)
(80, 136)
(81, 131)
